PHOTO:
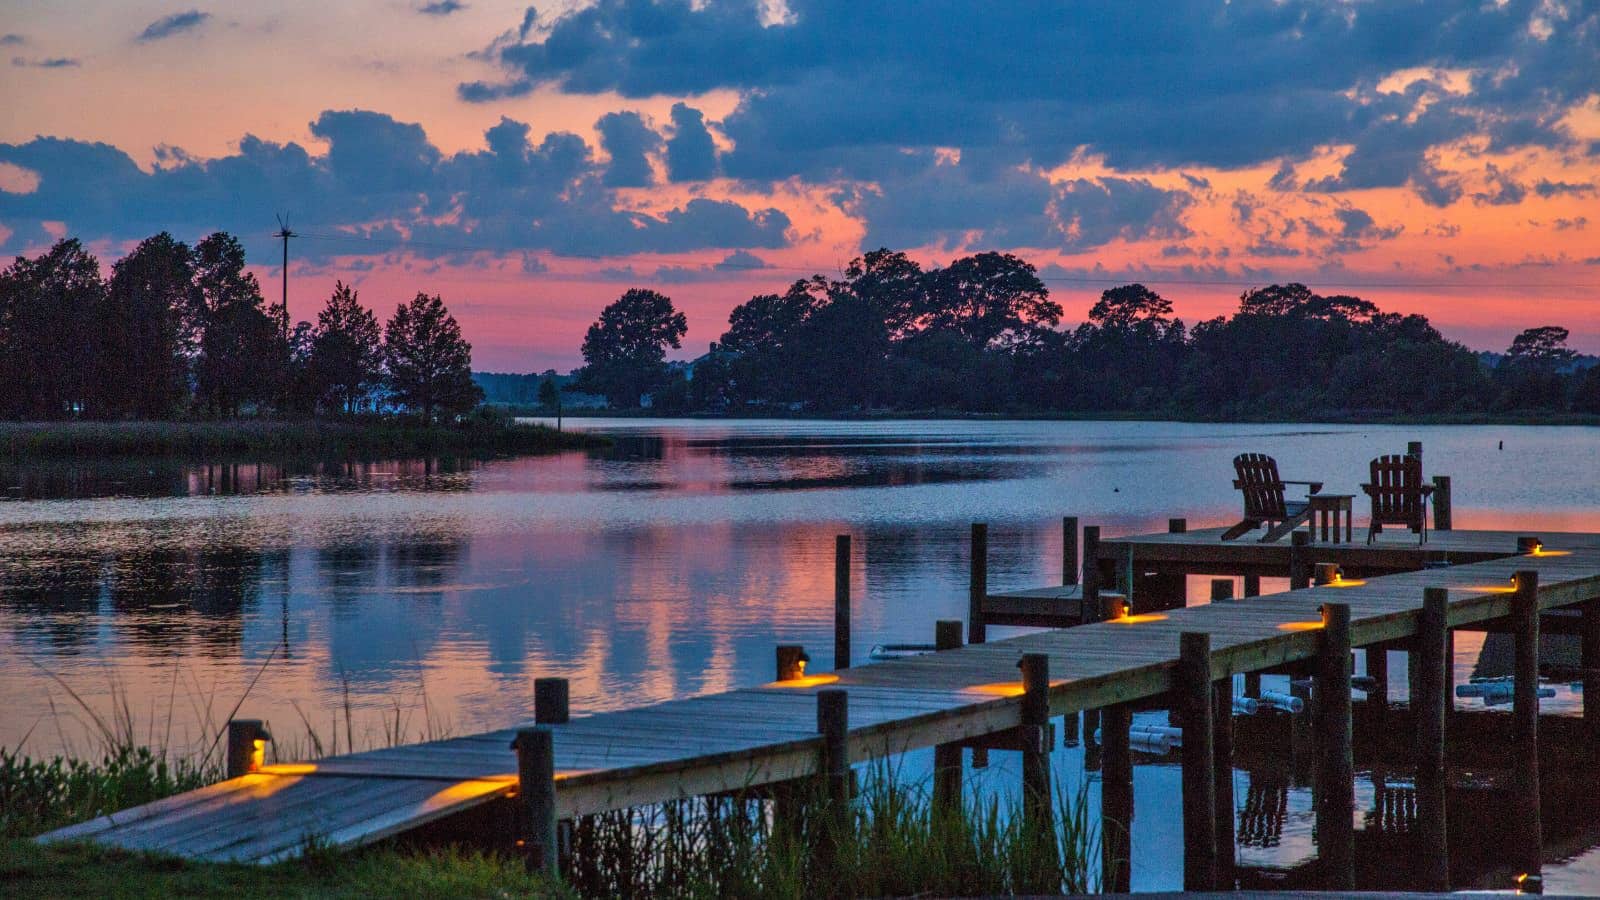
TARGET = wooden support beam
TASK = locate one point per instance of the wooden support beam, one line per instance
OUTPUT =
(978, 586)
(1525, 721)
(1299, 561)
(1222, 769)
(1069, 550)
(1442, 519)
(1194, 695)
(841, 601)
(551, 701)
(1116, 799)
(1378, 671)
(247, 740)
(947, 791)
(1252, 680)
(536, 796)
(1428, 708)
(1336, 766)
(1589, 659)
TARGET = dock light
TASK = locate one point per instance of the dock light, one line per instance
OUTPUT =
(1327, 573)
(791, 662)
(1528, 545)
(1529, 883)
(247, 746)
(1120, 608)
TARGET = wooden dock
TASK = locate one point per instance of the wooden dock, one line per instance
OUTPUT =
(769, 733)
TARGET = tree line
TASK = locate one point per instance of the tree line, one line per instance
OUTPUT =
(983, 335)
(184, 331)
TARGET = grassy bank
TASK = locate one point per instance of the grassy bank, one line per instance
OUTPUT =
(258, 439)
(889, 842)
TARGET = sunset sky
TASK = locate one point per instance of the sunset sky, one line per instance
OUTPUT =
(530, 164)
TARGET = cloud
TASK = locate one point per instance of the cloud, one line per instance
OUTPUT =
(55, 62)
(168, 26)
(1502, 190)
(741, 261)
(12, 40)
(629, 142)
(691, 154)
(381, 186)
(1358, 223)
(441, 7)
(1547, 189)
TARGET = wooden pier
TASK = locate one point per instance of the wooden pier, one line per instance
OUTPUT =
(969, 696)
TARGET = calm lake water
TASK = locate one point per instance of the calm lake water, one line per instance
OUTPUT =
(424, 597)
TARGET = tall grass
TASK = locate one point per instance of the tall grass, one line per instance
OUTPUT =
(269, 439)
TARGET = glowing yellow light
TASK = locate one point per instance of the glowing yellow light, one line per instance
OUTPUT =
(998, 689)
(1343, 582)
(288, 769)
(1489, 588)
(1541, 551)
(1300, 626)
(805, 681)
(258, 754)
(1136, 619)
(1119, 610)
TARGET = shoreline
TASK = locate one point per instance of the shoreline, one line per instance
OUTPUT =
(257, 439)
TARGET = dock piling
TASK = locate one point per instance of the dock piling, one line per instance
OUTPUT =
(1378, 670)
(947, 757)
(1441, 503)
(1193, 686)
(1090, 611)
(1525, 718)
(978, 588)
(1428, 707)
(1222, 772)
(551, 697)
(247, 740)
(1069, 550)
(1590, 661)
(536, 796)
(1252, 680)
(1336, 766)
(1221, 589)
(1116, 799)
(1036, 753)
(1299, 561)
(841, 602)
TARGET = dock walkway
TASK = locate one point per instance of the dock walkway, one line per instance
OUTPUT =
(766, 734)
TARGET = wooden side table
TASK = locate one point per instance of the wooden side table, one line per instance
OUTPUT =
(1325, 512)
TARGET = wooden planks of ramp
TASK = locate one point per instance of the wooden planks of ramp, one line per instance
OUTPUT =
(765, 734)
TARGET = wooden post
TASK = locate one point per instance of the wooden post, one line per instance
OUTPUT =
(1069, 550)
(978, 588)
(1222, 772)
(1325, 573)
(1036, 755)
(1221, 589)
(833, 721)
(1414, 448)
(791, 662)
(841, 602)
(1177, 526)
(1441, 503)
(1252, 680)
(536, 796)
(550, 701)
(246, 746)
(1116, 799)
(1193, 685)
(1428, 706)
(1299, 561)
(1525, 720)
(1590, 661)
(1336, 767)
(947, 797)
(1090, 609)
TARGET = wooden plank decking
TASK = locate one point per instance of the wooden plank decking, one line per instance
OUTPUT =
(764, 734)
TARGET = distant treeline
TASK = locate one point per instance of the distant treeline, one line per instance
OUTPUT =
(982, 335)
(180, 331)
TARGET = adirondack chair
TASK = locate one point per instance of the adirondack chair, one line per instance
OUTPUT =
(1398, 495)
(1264, 500)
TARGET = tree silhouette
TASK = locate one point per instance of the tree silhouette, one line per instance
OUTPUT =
(242, 355)
(346, 351)
(624, 351)
(47, 337)
(989, 299)
(1123, 308)
(143, 359)
(429, 362)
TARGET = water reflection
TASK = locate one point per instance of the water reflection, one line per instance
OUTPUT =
(666, 565)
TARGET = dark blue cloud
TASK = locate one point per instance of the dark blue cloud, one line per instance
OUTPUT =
(862, 91)
(175, 24)
(441, 7)
(1547, 188)
(382, 186)
(12, 39)
(54, 62)
(629, 142)
(691, 154)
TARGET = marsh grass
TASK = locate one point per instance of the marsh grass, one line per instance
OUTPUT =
(375, 438)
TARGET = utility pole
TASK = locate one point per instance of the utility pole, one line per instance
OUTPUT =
(283, 313)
